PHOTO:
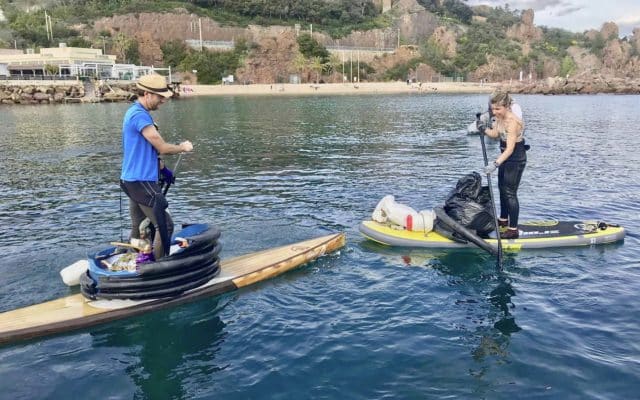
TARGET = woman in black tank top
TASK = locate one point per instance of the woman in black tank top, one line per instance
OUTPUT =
(511, 162)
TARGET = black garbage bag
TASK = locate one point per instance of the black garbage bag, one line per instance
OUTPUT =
(470, 204)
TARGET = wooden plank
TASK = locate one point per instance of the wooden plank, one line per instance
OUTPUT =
(75, 311)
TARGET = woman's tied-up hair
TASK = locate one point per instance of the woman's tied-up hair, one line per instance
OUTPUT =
(501, 98)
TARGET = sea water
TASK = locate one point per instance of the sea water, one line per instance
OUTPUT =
(368, 322)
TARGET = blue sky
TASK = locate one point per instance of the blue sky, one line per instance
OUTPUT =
(577, 15)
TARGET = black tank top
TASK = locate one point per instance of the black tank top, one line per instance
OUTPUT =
(519, 151)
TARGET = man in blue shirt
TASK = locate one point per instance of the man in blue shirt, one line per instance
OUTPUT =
(142, 144)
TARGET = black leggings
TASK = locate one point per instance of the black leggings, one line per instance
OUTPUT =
(509, 175)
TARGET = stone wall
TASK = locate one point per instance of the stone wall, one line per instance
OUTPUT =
(590, 85)
(40, 93)
(59, 92)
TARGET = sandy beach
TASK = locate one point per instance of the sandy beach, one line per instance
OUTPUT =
(335, 88)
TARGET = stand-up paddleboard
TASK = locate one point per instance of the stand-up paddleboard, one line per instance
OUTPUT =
(76, 311)
(533, 235)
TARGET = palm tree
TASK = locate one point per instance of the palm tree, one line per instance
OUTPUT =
(317, 65)
(300, 63)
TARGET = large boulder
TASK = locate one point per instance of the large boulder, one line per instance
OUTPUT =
(609, 31)
(272, 60)
(497, 69)
(446, 40)
(401, 56)
(586, 62)
(615, 55)
(41, 97)
(425, 73)
(525, 32)
(148, 49)
(416, 24)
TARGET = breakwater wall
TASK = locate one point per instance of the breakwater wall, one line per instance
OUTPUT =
(59, 92)
(578, 85)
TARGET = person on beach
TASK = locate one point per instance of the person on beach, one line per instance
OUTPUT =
(142, 144)
(509, 128)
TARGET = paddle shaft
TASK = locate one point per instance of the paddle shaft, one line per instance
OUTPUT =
(493, 202)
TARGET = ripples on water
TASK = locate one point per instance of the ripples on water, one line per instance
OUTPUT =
(367, 322)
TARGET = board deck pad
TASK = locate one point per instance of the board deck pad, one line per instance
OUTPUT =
(545, 229)
(75, 311)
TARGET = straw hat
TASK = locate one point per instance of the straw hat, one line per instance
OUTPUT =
(154, 83)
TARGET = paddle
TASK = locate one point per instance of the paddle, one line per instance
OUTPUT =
(493, 203)
(71, 273)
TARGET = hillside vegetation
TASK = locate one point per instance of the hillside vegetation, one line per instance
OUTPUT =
(471, 43)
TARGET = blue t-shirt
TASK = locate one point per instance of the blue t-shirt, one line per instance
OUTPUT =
(140, 158)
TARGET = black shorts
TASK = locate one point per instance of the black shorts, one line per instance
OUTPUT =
(145, 193)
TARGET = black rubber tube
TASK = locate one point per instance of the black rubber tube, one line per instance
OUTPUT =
(113, 285)
(171, 291)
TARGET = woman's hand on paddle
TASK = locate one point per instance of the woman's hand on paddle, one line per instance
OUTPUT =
(490, 168)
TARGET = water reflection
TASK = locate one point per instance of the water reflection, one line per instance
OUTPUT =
(500, 297)
(480, 281)
(175, 349)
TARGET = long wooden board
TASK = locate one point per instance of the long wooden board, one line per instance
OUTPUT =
(76, 311)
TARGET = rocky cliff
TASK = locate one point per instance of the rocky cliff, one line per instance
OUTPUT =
(274, 48)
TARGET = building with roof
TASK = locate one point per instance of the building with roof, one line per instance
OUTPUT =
(60, 60)
(66, 61)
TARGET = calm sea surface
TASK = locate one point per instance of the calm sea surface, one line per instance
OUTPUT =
(369, 322)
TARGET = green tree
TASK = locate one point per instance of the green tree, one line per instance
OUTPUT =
(317, 65)
(51, 69)
(450, 9)
(124, 47)
(434, 55)
(481, 40)
(458, 10)
(30, 26)
(310, 48)
(502, 17)
(173, 52)
(300, 63)
(211, 66)
(79, 42)
(597, 44)
(568, 66)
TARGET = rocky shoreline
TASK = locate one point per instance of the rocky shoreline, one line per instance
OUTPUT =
(578, 85)
(60, 92)
(40, 93)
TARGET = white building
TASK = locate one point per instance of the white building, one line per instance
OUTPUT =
(71, 62)
(61, 60)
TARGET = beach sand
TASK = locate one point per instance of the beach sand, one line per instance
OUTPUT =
(334, 88)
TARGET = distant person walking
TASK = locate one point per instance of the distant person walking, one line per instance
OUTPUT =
(142, 144)
(509, 128)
